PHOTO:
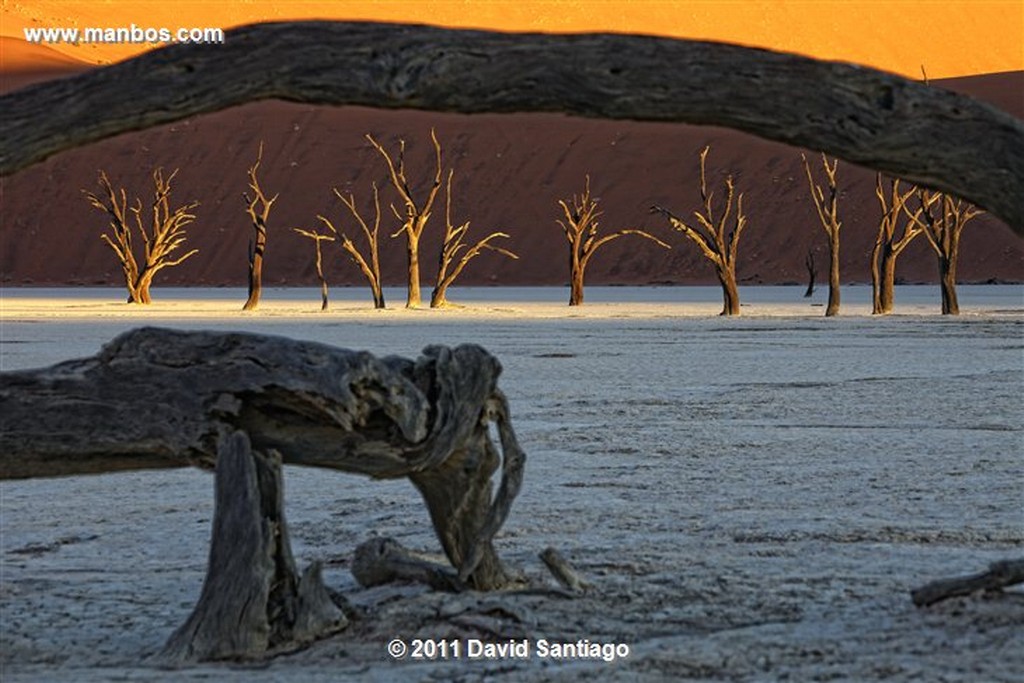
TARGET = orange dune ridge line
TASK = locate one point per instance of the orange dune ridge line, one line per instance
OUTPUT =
(953, 38)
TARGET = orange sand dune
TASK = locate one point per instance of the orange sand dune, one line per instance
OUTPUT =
(510, 172)
(23, 63)
(948, 37)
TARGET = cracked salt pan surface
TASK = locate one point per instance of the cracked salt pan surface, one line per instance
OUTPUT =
(752, 499)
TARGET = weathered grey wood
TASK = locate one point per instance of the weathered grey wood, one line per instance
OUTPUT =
(563, 572)
(999, 575)
(161, 398)
(384, 560)
(253, 601)
(923, 134)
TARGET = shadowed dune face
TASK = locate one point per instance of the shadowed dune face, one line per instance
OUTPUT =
(510, 171)
(22, 64)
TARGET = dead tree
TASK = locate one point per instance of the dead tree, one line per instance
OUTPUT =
(166, 232)
(926, 135)
(943, 229)
(894, 235)
(416, 214)
(828, 214)
(710, 234)
(317, 239)
(812, 273)
(451, 248)
(580, 230)
(245, 404)
(371, 268)
(258, 245)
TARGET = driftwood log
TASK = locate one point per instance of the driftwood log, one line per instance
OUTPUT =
(907, 129)
(999, 575)
(244, 404)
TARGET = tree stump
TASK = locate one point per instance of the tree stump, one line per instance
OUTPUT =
(253, 602)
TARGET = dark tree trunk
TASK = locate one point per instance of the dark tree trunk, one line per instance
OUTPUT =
(256, 269)
(576, 290)
(947, 280)
(324, 304)
(812, 274)
(876, 276)
(438, 297)
(833, 274)
(883, 278)
(887, 285)
(576, 279)
(320, 275)
(138, 291)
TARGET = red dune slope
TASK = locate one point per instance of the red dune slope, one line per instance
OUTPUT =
(510, 171)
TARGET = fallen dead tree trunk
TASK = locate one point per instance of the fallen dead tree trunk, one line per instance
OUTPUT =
(999, 575)
(245, 404)
(926, 135)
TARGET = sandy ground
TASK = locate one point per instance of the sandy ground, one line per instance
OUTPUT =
(751, 499)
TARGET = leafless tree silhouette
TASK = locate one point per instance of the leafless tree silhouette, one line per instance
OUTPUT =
(710, 234)
(580, 229)
(943, 218)
(894, 235)
(258, 245)
(416, 214)
(370, 267)
(828, 214)
(453, 246)
(166, 232)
